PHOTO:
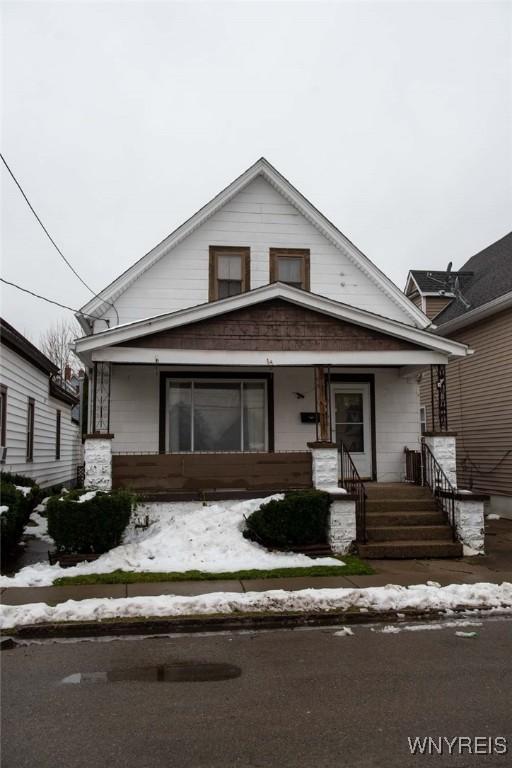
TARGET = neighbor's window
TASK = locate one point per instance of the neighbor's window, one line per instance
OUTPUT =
(229, 271)
(217, 416)
(3, 417)
(423, 419)
(290, 266)
(30, 429)
(57, 435)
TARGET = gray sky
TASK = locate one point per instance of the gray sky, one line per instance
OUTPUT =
(122, 119)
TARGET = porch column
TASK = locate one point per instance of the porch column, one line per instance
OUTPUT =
(469, 522)
(342, 523)
(443, 447)
(324, 453)
(98, 462)
(98, 444)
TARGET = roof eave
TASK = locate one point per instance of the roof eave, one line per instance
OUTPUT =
(474, 315)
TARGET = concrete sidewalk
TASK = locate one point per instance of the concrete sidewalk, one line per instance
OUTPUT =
(495, 567)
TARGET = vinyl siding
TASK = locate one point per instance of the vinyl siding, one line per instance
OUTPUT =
(134, 415)
(479, 391)
(24, 380)
(260, 218)
(434, 305)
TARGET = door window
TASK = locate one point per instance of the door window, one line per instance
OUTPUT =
(350, 421)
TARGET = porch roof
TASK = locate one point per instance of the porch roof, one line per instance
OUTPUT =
(419, 347)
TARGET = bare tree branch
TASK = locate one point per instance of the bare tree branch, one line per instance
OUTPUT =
(55, 344)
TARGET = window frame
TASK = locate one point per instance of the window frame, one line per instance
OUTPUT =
(233, 250)
(31, 417)
(58, 427)
(303, 253)
(227, 376)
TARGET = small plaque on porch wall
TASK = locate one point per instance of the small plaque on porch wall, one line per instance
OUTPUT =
(309, 417)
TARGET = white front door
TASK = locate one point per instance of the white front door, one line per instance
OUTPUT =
(351, 409)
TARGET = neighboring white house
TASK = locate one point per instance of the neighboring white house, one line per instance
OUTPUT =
(248, 349)
(39, 438)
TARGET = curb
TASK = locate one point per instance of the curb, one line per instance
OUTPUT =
(192, 624)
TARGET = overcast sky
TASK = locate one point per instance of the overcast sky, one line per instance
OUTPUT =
(122, 119)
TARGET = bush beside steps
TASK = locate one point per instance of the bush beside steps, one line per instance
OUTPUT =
(297, 522)
(84, 524)
(16, 506)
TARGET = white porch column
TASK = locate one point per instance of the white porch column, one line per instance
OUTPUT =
(98, 462)
(442, 445)
(342, 523)
(469, 521)
(324, 457)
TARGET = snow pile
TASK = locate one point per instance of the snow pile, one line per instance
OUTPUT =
(421, 597)
(87, 496)
(24, 489)
(39, 527)
(3, 509)
(493, 517)
(182, 537)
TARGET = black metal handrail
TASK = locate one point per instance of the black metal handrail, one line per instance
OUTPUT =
(442, 489)
(352, 483)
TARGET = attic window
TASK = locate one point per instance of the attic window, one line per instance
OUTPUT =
(229, 271)
(290, 266)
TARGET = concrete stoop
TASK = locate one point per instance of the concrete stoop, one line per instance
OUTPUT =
(402, 521)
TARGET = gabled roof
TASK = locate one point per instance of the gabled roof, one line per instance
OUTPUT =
(100, 303)
(434, 282)
(152, 325)
(16, 341)
(491, 277)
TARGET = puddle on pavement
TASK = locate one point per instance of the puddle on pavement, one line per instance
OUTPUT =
(179, 672)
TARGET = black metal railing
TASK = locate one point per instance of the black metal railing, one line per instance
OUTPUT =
(352, 483)
(422, 468)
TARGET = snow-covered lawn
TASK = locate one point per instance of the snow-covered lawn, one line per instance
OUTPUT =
(423, 597)
(182, 537)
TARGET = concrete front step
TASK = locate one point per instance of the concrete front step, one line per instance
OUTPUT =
(409, 549)
(396, 491)
(408, 532)
(382, 519)
(398, 505)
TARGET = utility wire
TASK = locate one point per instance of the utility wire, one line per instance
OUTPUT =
(43, 298)
(50, 238)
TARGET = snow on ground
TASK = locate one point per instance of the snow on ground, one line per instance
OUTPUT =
(493, 517)
(3, 509)
(182, 537)
(421, 597)
(39, 527)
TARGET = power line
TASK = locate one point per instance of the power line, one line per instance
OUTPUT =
(50, 238)
(43, 298)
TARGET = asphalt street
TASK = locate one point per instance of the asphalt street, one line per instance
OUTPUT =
(280, 698)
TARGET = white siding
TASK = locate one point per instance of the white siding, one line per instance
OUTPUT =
(258, 217)
(24, 380)
(135, 412)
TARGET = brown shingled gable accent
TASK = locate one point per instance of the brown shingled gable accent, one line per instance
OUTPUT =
(275, 325)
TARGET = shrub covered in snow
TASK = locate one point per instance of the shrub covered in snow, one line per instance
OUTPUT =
(298, 519)
(88, 521)
(16, 505)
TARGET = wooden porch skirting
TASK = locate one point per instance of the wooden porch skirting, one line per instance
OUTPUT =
(200, 472)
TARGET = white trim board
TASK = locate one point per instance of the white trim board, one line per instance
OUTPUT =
(202, 357)
(99, 304)
(141, 328)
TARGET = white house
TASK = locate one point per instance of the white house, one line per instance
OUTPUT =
(39, 438)
(257, 349)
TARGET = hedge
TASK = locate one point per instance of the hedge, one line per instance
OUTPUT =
(95, 525)
(15, 518)
(298, 519)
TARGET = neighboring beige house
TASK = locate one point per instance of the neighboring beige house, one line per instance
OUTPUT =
(474, 306)
(39, 437)
(256, 349)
